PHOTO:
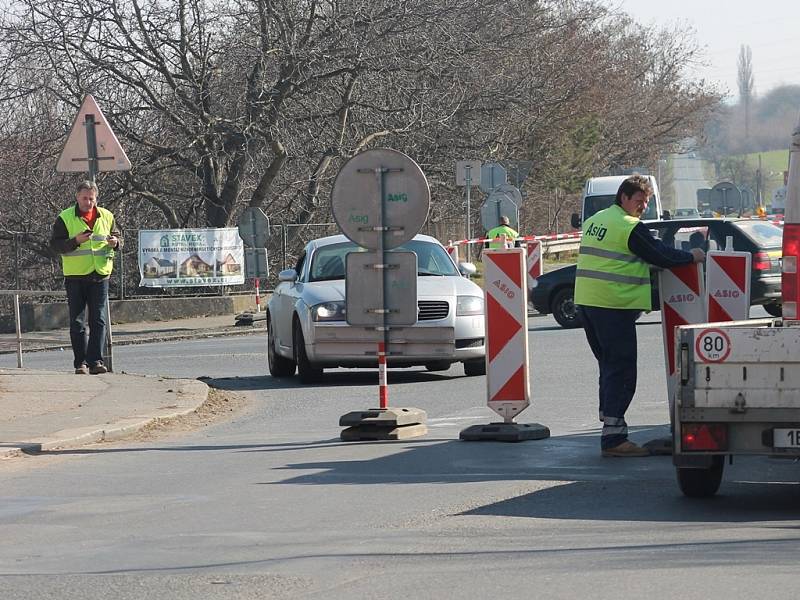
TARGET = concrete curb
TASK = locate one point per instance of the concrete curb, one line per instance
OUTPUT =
(190, 395)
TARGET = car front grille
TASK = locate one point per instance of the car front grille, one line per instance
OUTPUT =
(431, 310)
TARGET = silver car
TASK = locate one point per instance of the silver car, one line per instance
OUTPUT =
(307, 329)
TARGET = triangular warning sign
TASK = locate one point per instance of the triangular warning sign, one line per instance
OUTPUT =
(109, 152)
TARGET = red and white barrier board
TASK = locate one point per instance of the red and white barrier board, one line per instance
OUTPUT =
(728, 285)
(505, 291)
(533, 261)
(682, 303)
(453, 252)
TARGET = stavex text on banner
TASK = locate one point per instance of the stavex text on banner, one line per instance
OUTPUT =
(190, 257)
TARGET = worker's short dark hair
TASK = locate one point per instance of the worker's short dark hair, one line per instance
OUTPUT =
(634, 183)
(87, 184)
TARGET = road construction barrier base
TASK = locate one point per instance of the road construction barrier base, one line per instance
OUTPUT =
(384, 417)
(371, 432)
(505, 432)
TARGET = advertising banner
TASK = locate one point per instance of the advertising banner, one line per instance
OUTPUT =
(190, 257)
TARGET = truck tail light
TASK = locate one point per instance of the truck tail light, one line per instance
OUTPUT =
(761, 261)
(704, 437)
(790, 284)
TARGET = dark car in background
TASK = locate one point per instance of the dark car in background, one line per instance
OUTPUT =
(554, 291)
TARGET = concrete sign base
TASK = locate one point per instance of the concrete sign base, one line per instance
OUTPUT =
(377, 432)
(505, 432)
(394, 417)
(383, 424)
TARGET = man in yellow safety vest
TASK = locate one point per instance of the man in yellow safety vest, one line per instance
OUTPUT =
(612, 288)
(86, 237)
(495, 234)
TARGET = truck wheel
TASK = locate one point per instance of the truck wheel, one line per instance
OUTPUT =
(563, 308)
(774, 309)
(701, 483)
(308, 373)
(279, 366)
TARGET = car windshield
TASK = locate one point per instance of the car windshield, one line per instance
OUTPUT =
(329, 262)
(593, 204)
(765, 235)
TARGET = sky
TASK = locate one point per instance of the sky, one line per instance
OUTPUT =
(770, 27)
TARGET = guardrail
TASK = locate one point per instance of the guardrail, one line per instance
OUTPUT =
(18, 327)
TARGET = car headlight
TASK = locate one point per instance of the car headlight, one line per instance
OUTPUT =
(469, 305)
(328, 311)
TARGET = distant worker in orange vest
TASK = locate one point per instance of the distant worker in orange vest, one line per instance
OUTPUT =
(495, 234)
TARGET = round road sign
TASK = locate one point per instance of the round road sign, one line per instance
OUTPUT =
(380, 188)
(712, 345)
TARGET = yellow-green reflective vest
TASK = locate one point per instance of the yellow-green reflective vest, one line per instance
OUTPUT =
(496, 232)
(94, 255)
(609, 275)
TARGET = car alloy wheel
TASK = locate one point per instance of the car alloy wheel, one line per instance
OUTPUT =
(564, 309)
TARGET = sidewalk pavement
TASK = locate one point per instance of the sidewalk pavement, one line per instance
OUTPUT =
(45, 410)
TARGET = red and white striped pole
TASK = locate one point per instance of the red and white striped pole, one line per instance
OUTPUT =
(383, 382)
(258, 295)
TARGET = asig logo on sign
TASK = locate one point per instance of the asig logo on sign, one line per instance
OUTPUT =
(727, 294)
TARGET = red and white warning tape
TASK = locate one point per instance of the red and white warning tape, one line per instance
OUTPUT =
(525, 238)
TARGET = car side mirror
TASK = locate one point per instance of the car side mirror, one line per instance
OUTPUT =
(575, 220)
(467, 269)
(288, 275)
(667, 216)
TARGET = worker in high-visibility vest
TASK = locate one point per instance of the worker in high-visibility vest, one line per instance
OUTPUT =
(612, 288)
(496, 234)
(86, 237)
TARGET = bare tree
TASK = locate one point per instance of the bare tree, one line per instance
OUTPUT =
(746, 82)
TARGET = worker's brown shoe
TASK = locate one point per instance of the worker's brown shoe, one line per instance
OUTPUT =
(82, 370)
(98, 368)
(626, 449)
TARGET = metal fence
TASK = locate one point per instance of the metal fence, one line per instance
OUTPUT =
(26, 263)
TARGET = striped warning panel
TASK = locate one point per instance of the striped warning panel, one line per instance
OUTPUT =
(506, 331)
(682, 303)
(728, 285)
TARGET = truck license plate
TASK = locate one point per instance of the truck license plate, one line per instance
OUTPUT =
(786, 438)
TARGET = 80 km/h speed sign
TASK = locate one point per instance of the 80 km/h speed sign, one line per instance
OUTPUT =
(712, 345)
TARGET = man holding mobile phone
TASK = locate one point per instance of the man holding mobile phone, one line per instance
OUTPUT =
(86, 236)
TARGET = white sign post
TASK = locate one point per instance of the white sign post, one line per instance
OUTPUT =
(380, 200)
(468, 173)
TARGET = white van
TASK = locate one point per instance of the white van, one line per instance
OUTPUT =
(600, 192)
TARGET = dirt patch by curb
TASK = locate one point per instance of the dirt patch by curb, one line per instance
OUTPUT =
(220, 406)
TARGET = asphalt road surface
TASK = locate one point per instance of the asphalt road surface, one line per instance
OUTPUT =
(272, 505)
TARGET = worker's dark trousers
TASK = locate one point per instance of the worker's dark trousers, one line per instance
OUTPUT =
(611, 334)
